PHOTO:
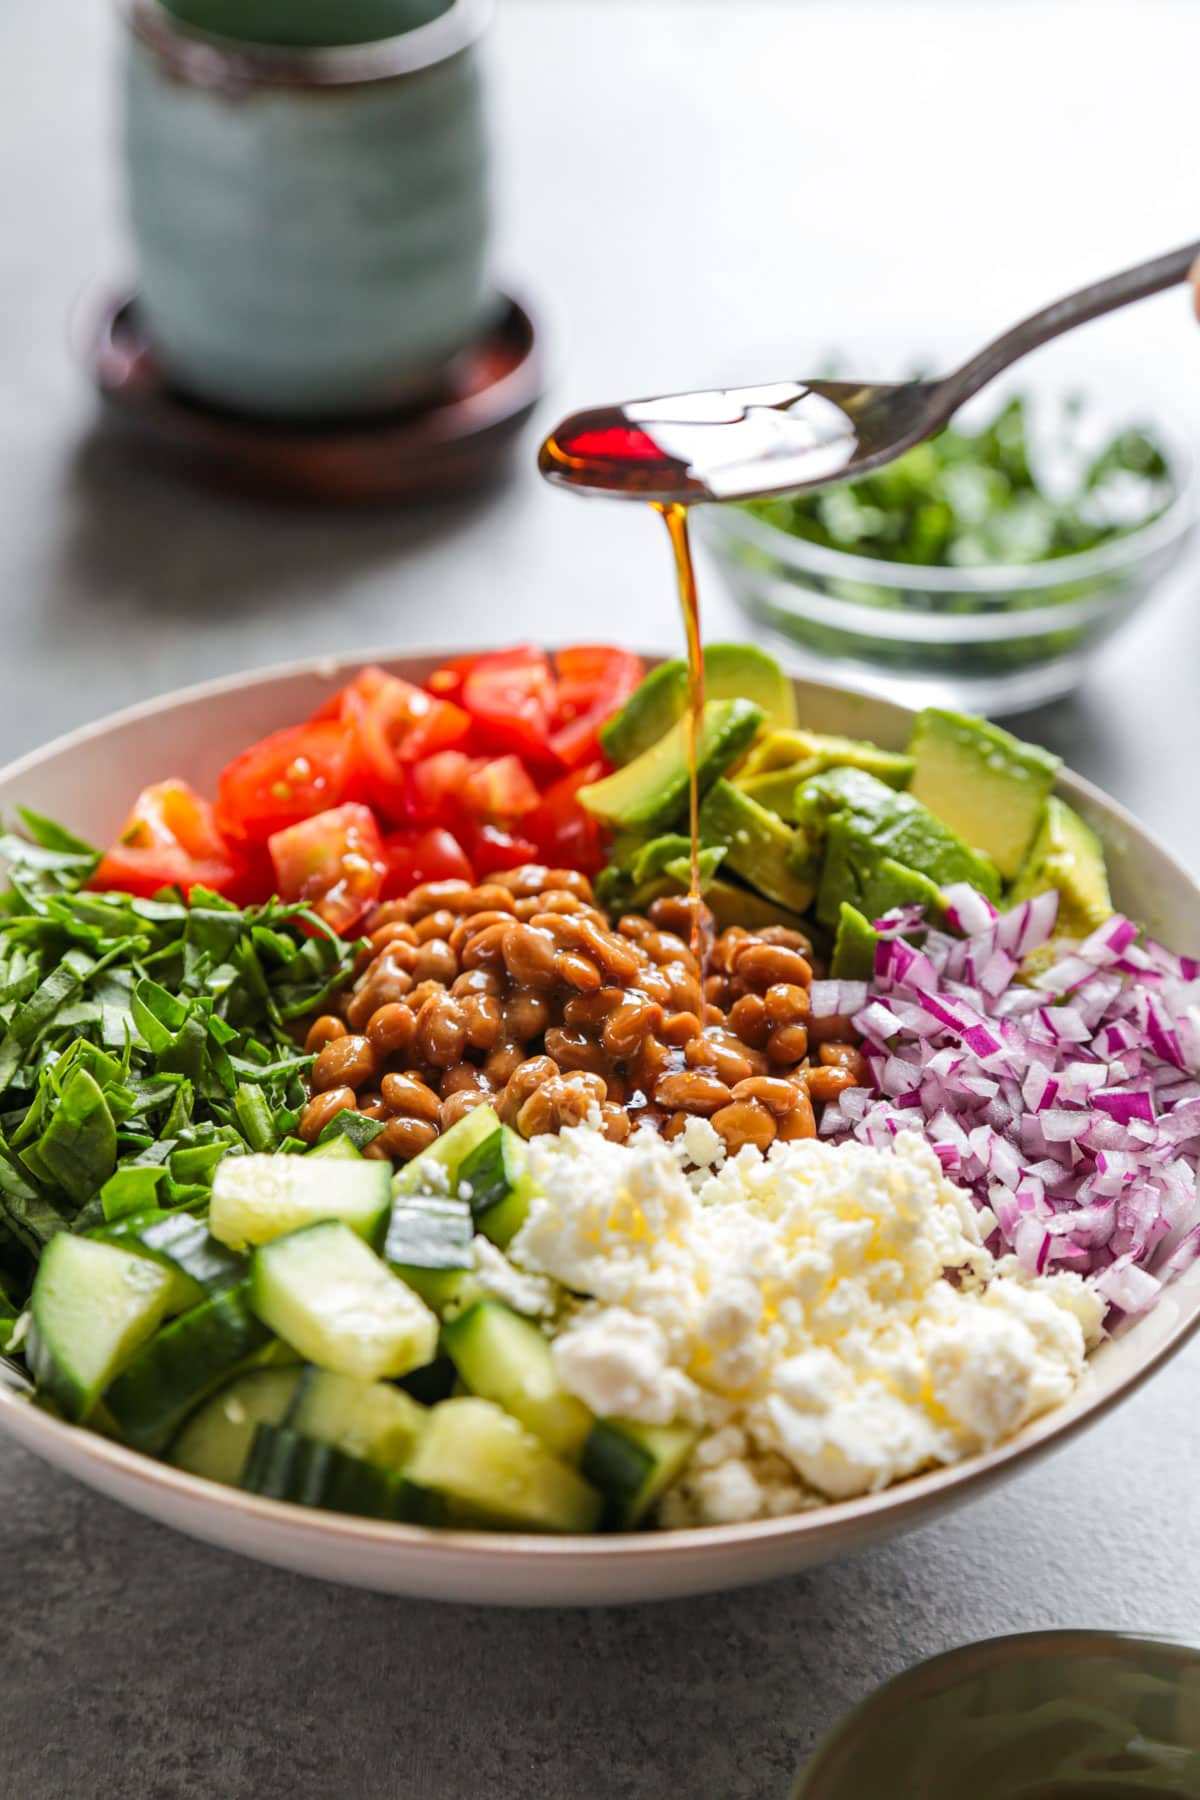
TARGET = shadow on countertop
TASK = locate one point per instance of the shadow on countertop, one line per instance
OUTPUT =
(152, 541)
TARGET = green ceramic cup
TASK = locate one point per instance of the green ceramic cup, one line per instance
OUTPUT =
(1053, 1715)
(308, 195)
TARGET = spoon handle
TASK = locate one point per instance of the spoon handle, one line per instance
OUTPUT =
(1062, 315)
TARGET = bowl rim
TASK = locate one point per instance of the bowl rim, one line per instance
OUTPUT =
(917, 1494)
(1009, 1649)
(721, 524)
(208, 59)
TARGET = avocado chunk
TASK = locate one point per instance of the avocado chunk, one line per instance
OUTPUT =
(844, 790)
(1066, 854)
(779, 761)
(854, 946)
(886, 884)
(982, 782)
(810, 752)
(648, 714)
(709, 861)
(894, 825)
(651, 792)
(758, 846)
(657, 854)
(660, 865)
(775, 790)
(731, 672)
(857, 870)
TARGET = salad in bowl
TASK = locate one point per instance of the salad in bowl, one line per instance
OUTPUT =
(377, 1135)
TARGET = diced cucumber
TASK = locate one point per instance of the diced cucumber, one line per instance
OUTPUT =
(478, 1456)
(257, 1198)
(93, 1305)
(186, 1362)
(435, 1170)
(633, 1465)
(216, 1440)
(447, 1291)
(429, 1231)
(181, 1242)
(428, 1244)
(324, 1292)
(364, 1418)
(496, 1183)
(339, 1147)
(285, 1466)
(503, 1357)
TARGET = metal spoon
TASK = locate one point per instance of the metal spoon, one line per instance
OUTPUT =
(738, 443)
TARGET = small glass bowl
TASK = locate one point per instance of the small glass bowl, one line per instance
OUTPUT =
(994, 639)
(1047, 1715)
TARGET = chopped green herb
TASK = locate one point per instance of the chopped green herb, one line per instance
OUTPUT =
(969, 498)
(140, 1041)
(360, 1130)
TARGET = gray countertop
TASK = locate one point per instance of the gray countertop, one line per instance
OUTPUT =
(691, 191)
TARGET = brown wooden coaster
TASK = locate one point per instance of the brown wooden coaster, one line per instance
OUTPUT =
(457, 436)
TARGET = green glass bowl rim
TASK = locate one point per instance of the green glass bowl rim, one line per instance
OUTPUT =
(722, 524)
(1007, 1648)
(208, 60)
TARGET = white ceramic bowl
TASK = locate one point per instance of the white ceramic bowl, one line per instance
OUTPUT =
(88, 780)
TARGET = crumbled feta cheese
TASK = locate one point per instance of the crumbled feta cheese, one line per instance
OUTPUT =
(702, 1143)
(524, 1292)
(795, 1307)
(617, 1362)
(726, 1494)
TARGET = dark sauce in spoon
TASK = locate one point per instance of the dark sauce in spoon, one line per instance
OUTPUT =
(719, 445)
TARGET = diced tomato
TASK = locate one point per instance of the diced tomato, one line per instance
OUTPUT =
(253, 880)
(493, 849)
(499, 791)
(447, 682)
(398, 722)
(284, 778)
(334, 862)
(594, 682)
(393, 725)
(170, 839)
(417, 856)
(436, 785)
(564, 833)
(174, 815)
(510, 695)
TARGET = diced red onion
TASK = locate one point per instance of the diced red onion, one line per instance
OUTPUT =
(1070, 1106)
(827, 998)
(1125, 1105)
(900, 921)
(1125, 1285)
(966, 909)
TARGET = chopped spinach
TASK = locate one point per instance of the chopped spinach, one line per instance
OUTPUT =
(969, 498)
(140, 1041)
